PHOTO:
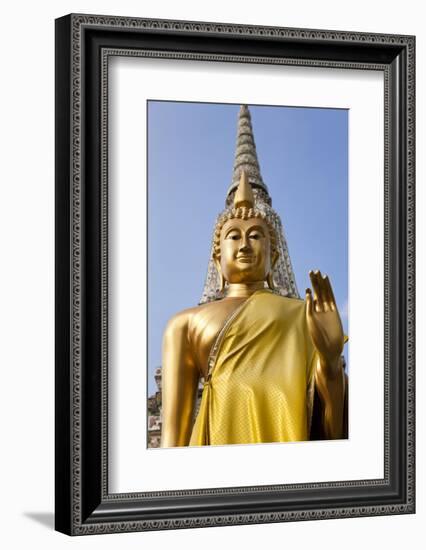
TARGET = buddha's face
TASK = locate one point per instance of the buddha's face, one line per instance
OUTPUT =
(245, 250)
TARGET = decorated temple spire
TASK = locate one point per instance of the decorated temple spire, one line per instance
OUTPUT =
(247, 187)
(245, 154)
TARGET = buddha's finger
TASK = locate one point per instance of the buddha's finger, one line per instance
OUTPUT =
(313, 282)
(317, 291)
(330, 295)
(323, 290)
(320, 291)
(309, 302)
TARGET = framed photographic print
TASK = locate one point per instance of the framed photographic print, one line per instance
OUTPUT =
(174, 131)
(234, 274)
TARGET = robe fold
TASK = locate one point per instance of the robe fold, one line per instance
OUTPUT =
(260, 384)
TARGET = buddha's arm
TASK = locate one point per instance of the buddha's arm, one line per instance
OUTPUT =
(180, 382)
(330, 382)
(325, 328)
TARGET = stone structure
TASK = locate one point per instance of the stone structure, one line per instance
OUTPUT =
(154, 411)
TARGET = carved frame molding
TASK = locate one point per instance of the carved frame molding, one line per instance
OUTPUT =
(84, 43)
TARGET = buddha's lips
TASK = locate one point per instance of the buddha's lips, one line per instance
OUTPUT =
(246, 259)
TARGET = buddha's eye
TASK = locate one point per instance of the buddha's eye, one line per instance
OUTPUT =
(234, 236)
(255, 236)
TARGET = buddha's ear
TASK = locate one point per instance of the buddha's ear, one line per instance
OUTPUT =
(219, 270)
(270, 276)
(270, 280)
(217, 263)
(274, 259)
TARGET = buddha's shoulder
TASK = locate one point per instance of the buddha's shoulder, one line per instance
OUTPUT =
(179, 321)
(203, 313)
(182, 319)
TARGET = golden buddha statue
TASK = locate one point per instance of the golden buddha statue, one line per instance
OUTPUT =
(271, 363)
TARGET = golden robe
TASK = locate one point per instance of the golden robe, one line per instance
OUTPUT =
(261, 370)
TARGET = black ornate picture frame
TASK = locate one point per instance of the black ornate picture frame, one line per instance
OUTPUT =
(84, 43)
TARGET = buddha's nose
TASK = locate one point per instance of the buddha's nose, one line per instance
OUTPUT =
(245, 244)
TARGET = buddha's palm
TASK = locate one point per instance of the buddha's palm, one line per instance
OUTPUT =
(323, 320)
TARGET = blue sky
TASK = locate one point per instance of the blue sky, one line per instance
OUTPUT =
(303, 157)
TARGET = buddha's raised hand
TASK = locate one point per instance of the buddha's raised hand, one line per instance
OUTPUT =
(324, 322)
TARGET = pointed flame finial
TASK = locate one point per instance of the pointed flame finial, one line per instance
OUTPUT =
(244, 195)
